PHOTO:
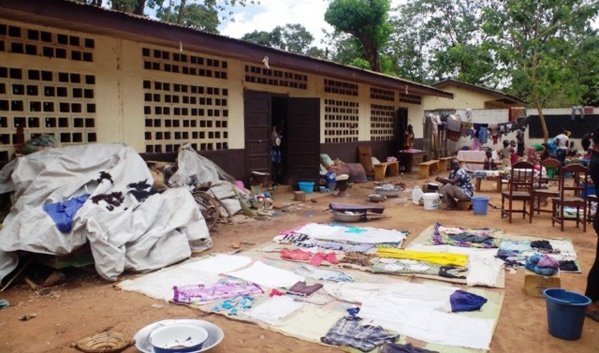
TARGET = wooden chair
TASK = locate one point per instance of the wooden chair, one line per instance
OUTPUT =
(545, 193)
(571, 195)
(520, 188)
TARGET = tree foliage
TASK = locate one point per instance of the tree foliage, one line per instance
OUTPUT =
(367, 21)
(199, 10)
(437, 39)
(198, 16)
(541, 45)
(292, 37)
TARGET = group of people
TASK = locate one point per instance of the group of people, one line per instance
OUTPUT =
(458, 186)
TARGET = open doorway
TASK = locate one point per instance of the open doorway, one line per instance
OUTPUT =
(279, 145)
(297, 124)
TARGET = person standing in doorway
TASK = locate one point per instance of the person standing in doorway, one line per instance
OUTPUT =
(520, 140)
(457, 187)
(592, 290)
(275, 150)
(409, 136)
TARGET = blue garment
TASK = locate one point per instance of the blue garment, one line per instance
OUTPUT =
(482, 134)
(466, 301)
(62, 213)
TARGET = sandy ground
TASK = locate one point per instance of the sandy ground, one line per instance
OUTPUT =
(86, 304)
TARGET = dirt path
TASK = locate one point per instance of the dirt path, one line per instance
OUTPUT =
(86, 304)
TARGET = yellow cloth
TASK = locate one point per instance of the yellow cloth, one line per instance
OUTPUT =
(432, 257)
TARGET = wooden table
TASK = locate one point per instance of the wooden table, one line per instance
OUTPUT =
(409, 158)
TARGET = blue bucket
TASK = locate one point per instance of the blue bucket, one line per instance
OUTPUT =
(589, 191)
(565, 313)
(306, 186)
(480, 205)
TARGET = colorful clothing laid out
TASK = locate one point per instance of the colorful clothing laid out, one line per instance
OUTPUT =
(350, 332)
(222, 290)
(235, 305)
(465, 237)
(432, 257)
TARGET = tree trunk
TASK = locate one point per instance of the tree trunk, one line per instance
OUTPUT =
(543, 123)
(372, 55)
(140, 7)
(181, 11)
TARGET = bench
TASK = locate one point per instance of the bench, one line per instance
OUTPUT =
(444, 163)
(428, 168)
(499, 180)
(380, 170)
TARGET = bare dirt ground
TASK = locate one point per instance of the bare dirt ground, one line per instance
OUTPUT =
(86, 304)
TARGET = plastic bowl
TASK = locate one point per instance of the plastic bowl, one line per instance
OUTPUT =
(178, 338)
(388, 193)
(376, 197)
(347, 217)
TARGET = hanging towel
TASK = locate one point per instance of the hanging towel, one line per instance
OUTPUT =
(454, 125)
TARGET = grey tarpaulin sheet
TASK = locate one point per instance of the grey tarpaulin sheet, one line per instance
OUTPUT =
(194, 167)
(136, 236)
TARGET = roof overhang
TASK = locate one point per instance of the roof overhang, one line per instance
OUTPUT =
(499, 96)
(79, 17)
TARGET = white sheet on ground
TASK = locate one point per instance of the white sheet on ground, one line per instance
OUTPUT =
(223, 263)
(267, 276)
(159, 284)
(419, 319)
(357, 234)
(136, 236)
(311, 322)
(274, 309)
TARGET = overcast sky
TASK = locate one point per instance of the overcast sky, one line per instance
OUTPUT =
(271, 13)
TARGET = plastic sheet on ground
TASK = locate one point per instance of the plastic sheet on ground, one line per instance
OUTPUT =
(194, 168)
(133, 236)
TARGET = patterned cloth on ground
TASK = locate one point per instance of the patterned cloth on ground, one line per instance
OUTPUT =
(350, 332)
(465, 237)
(390, 347)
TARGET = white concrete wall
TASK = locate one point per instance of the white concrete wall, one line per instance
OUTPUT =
(118, 67)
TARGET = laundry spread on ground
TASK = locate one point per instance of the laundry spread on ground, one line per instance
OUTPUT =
(350, 306)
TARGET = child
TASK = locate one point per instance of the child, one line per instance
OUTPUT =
(531, 156)
(505, 154)
(489, 163)
(513, 155)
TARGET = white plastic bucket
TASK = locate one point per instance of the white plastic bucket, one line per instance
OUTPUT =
(431, 201)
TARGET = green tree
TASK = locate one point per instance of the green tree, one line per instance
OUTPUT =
(536, 42)
(291, 37)
(138, 7)
(197, 16)
(367, 21)
(438, 39)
